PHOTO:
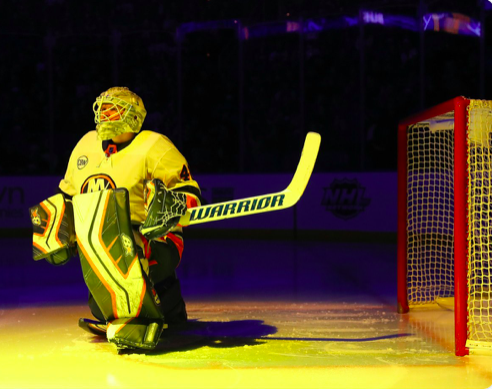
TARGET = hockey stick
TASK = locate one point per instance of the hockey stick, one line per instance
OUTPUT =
(263, 203)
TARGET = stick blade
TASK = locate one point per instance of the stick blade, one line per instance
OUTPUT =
(304, 168)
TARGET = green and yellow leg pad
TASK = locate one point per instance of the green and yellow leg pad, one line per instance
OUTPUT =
(53, 230)
(112, 270)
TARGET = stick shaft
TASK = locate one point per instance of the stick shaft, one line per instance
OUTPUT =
(262, 203)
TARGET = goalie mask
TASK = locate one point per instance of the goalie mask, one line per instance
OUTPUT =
(117, 111)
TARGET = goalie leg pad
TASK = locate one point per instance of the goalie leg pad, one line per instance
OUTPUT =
(165, 258)
(95, 310)
(109, 257)
(53, 230)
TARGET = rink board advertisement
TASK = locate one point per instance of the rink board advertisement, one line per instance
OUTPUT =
(331, 201)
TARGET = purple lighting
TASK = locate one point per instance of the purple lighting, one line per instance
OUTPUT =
(372, 17)
(452, 23)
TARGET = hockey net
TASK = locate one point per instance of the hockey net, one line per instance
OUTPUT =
(430, 221)
(431, 229)
(479, 223)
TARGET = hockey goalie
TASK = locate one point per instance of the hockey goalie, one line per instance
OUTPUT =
(119, 208)
(122, 204)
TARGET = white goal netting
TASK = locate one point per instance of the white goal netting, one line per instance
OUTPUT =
(479, 221)
(430, 214)
(430, 222)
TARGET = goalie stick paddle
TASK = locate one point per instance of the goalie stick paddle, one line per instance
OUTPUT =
(263, 203)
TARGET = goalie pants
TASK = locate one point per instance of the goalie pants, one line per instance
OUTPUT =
(163, 259)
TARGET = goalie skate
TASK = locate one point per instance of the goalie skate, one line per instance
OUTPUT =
(93, 326)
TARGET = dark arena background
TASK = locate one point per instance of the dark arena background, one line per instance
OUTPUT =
(298, 298)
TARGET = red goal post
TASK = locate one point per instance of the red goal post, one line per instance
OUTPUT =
(445, 215)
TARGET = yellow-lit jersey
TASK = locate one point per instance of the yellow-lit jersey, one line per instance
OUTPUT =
(150, 155)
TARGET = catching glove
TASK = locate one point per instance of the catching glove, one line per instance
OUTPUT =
(164, 208)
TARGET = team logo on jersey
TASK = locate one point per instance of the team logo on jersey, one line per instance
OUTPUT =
(36, 219)
(127, 245)
(96, 183)
(345, 198)
(82, 162)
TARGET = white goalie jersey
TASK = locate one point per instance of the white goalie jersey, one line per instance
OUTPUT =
(150, 155)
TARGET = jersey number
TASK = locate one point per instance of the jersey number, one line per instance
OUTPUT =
(185, 174)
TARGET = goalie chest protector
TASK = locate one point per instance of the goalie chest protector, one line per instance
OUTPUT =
(150, 155)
